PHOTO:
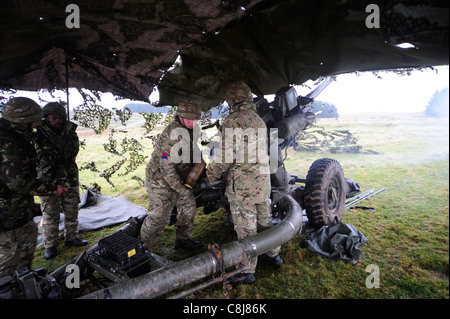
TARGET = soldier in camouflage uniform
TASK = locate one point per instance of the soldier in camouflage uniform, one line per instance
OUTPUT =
(247, 179)
(18, 186)
(57, 147)
(165, 177)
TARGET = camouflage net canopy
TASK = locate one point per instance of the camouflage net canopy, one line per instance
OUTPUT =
(292, 41)
(127, 46)
(121, 46)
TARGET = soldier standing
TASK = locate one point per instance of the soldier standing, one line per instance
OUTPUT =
(165, 176)
(248, 181)
(57, 147)
(18, 186)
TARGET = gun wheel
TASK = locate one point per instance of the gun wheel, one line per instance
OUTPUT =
(325, 192)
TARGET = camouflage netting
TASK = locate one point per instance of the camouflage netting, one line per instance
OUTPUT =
(127, 46)
(296, 40)
(122, 46)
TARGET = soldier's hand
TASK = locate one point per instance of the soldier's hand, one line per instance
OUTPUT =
(61, 189)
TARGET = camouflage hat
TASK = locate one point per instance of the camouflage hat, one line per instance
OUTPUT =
(22, 110)
(190, 110)
(238, 92)
(54, 108)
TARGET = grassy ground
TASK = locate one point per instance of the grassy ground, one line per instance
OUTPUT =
(407, 234)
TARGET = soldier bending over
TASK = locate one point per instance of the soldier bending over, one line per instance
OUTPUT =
(165, 178)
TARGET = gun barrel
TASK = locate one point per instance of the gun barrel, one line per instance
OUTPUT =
(314, 93)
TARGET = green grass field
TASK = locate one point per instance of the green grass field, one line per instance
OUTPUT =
(408, 233)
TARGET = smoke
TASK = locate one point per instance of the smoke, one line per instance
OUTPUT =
(438, 105)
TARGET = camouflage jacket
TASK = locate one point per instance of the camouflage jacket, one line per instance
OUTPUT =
(18, 177)
(56, 153)
(166, 167)
(239, 161)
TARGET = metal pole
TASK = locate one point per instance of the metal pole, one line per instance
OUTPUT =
(349, 205)
(67, 85)
(359, 195)
(207, 284)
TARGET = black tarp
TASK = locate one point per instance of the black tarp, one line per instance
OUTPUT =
(340, 241)
(97, 211)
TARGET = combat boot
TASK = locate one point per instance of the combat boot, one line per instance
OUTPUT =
(187, 244)
(276, 261)
(77, 242)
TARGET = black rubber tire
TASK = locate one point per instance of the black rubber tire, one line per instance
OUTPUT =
(325, 193)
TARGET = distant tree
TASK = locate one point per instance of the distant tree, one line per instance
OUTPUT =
(438, 106)
(327, 110)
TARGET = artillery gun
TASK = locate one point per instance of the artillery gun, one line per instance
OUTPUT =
(321, 193)
(133, 272)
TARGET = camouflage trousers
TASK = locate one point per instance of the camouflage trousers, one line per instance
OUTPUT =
(162, 200)
(248, 219)
(17, 248)
(51, 207)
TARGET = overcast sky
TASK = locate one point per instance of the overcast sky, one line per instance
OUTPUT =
(352, 93)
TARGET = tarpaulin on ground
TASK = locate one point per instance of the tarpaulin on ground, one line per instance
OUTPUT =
(97, 211)
(340, 241)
